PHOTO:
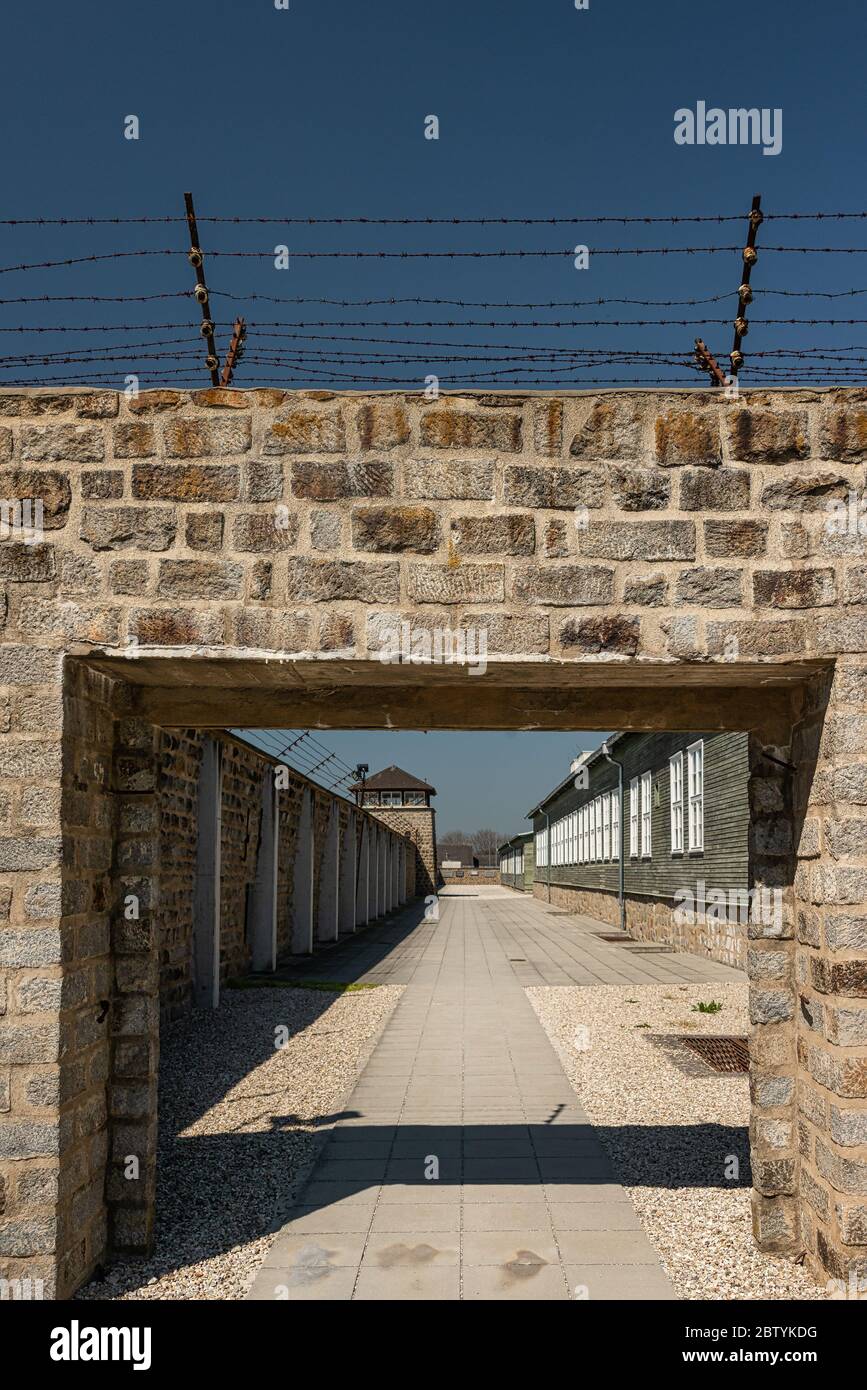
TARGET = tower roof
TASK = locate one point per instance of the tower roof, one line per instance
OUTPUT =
(394, 779)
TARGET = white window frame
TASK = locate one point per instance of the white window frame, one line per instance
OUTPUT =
(647, 815)
(606, 826)
(633, 818)
(675, 778)
(615, 825)
(695, 780)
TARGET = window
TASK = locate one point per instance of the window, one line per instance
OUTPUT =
(633, 817)
(574, 854)
(413, 799)
(606, 826)
(675, 777)
(615, 825)
(540, 848)
(597, 824)
(391, 799)
(371, 798)
(646, 791)
(695, 756)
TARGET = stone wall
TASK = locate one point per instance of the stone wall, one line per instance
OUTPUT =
(650, 919)
(634, 560)
(419, 825)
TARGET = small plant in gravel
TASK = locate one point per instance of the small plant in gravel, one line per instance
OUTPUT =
(710, 1006)
(630, 1001)
(642, 1025)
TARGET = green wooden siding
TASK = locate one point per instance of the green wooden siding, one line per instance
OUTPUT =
(722, 864)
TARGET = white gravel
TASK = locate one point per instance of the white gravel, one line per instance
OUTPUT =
(238, 1124)
(668, 1133)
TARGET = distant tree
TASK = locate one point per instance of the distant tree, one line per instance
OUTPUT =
(454, 837)
(485, 841)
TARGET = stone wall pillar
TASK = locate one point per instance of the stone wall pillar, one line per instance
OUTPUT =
(831, 975)
(302, 900)
(264, 906)
(134, 1015)
(362, 897)
(206, 895)
(348, 858)
(773, 999)
(329, 880)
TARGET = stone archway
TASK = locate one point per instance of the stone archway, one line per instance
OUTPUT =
(634, 560)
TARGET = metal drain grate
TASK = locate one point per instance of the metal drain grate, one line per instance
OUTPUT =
(721, 1054)
(612, 936)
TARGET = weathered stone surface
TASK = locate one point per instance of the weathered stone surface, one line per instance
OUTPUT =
(194, 482)
(719, 490)
(511, 633)
(552, 487)
(326, 482)
(265, 531)
(178, 627)
(548, 428)
(638, 540)
(804, 588)
(461, 429)
(101, 484)
(134, 439)
(154, 402)
(301, 431)
(337, 633)
(326, 529)
(204, 579)
(730, 539)
(204, 530)
(615, 634)
(843, 434)
(221, 398)
(640, 489)
(650, 591)
(768, 436)
(382, 425)
(311, 580)
(46, 485)
(62, 443)
(462, 583)
(570, 586)
(395, 529)
(120, 528)
(510, 534)
(714, 587)
(612, 430)
(27, 564)
(264, 482)
(687, 437)
(97, 405)
(204, 438)
(462, 481)
(556, 544)
(804, 492)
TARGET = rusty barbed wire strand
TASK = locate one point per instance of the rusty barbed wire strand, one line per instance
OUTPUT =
(574, 220)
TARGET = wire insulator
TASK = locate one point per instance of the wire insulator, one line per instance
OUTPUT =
(741, 327)
(751, 255)
(745, 294)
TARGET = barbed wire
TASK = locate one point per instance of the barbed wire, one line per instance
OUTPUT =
(573, 220)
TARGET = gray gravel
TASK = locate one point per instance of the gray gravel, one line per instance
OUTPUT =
(670, 1134)
(240, 1124)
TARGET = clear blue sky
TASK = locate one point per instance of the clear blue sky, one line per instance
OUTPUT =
(482, 779)
(319, 110)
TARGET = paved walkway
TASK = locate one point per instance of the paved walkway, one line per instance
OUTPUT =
(464, 1165)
